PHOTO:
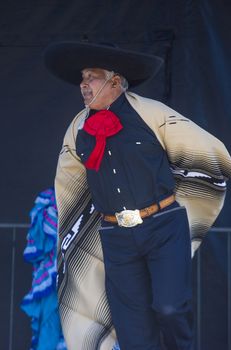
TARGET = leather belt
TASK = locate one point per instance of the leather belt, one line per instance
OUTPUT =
(130, 218)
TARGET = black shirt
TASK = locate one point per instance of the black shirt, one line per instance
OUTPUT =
(134, 172)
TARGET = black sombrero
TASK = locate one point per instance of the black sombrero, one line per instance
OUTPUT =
(66, 60)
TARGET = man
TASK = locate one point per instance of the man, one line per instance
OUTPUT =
(132, 158)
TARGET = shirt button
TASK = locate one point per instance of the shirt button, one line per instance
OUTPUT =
(114, 171)
(118, 189)
(109, 152)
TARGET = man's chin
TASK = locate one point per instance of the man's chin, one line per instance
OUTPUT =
(87, 100)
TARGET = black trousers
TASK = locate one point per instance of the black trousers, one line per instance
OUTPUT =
(148, 280)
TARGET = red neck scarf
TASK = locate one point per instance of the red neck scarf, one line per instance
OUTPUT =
(101, 125)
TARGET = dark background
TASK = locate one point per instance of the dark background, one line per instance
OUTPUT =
(194, 39)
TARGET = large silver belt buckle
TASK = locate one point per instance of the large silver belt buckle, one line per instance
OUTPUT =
(129, 218)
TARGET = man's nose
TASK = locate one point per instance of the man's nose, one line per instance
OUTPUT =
(83, 83)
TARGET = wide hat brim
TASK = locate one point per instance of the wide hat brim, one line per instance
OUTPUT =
(66, 60)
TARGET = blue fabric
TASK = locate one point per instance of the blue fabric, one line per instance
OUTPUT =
(41, 302)
(116, 346)
(132, 157)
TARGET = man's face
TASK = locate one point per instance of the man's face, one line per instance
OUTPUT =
(93, 80)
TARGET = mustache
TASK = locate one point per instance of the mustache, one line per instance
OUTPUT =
(86, 92)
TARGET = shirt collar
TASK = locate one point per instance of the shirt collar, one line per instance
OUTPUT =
(114, 107)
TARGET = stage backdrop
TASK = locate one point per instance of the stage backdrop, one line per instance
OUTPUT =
(194, 39)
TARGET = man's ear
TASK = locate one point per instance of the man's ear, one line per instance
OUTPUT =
(116, 80)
